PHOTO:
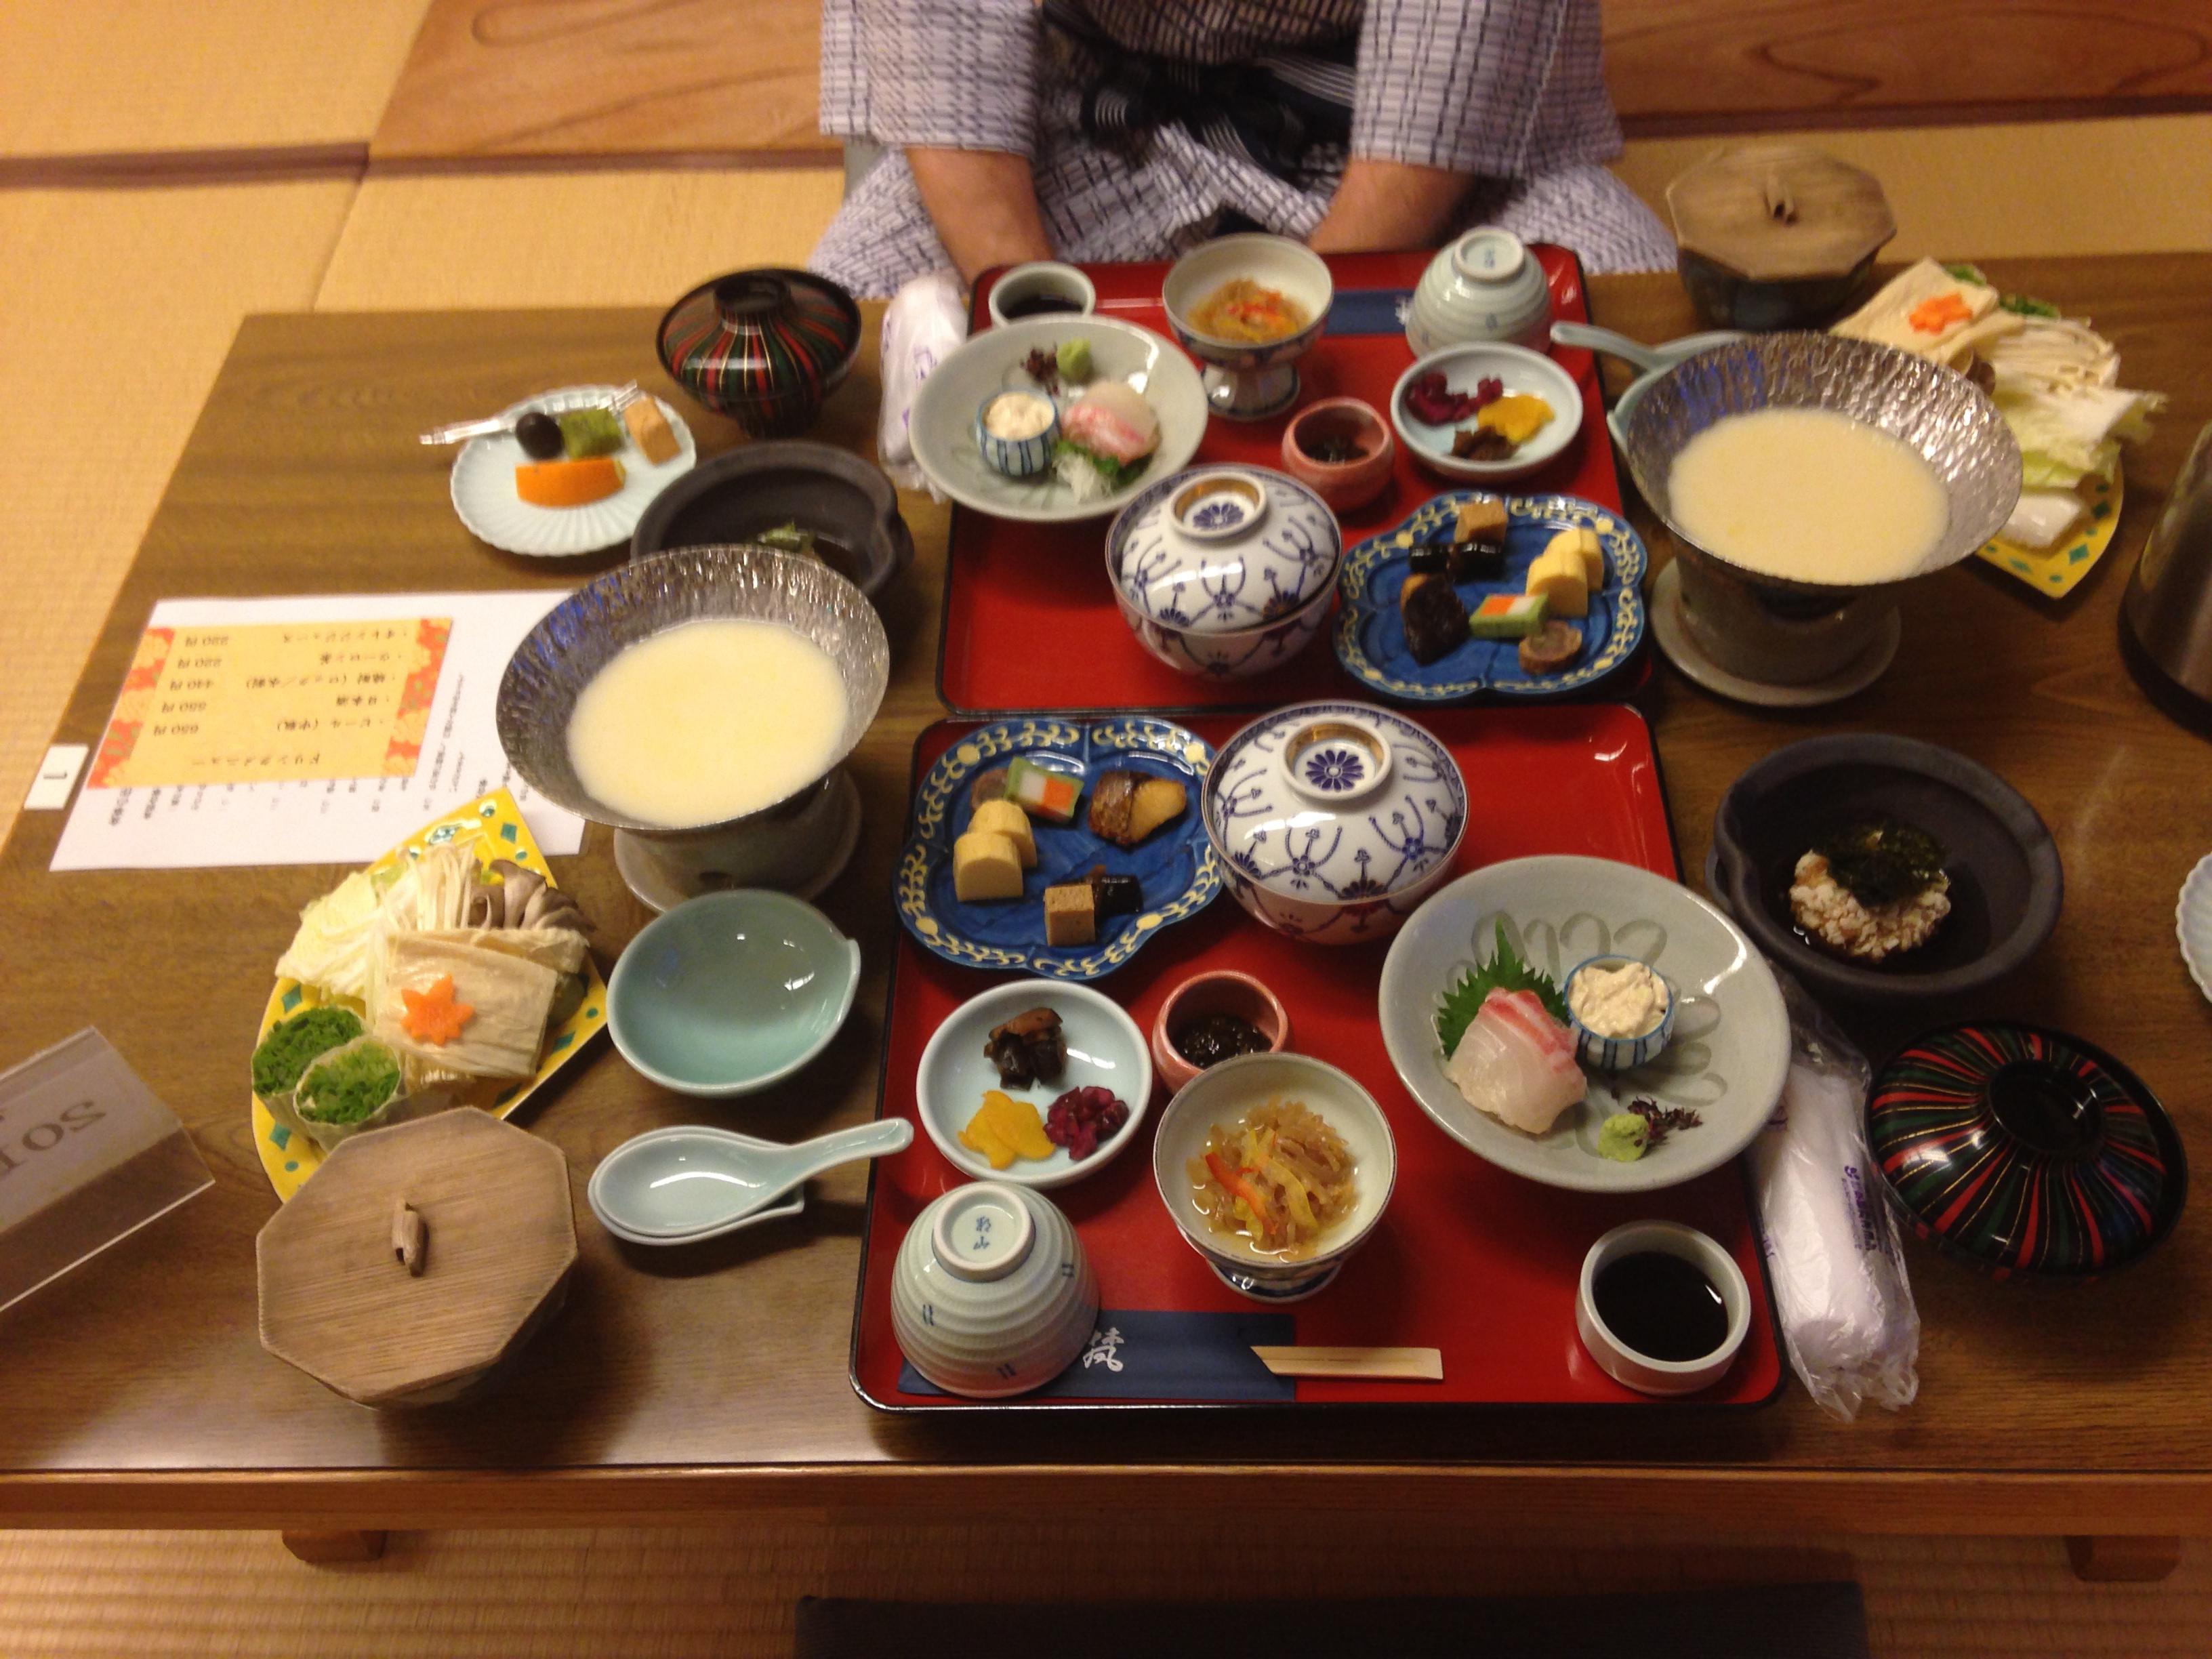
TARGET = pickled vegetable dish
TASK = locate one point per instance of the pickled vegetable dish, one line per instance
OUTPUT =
(1279, 1177)
(1245, 313)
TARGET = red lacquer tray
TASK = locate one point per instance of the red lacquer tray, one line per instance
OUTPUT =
(1467, 1259)
(1030, 621)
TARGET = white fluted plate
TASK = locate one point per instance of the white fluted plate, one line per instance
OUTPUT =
(2192, 924)
(483, 486)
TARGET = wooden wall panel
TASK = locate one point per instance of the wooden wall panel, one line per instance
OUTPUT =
(1713, 65)
(509, 80)
(563, 78)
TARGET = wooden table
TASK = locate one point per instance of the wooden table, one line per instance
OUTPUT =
(715, 1381)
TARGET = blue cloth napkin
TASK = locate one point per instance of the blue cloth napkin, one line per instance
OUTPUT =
(1144, 1354)
(1368, 311)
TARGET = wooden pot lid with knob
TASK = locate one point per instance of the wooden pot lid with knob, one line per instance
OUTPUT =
(418, 1258)
(1772, 209)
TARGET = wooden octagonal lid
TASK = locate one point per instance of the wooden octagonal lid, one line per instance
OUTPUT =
(483, 1210)
(1774, 209)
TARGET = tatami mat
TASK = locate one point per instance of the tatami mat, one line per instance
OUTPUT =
(116, 310)
(578, 239)
(726, 1593)
(2135, 186)
(123, 76)
(608, 77)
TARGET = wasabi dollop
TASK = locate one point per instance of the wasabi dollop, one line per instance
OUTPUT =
(1623, 1137)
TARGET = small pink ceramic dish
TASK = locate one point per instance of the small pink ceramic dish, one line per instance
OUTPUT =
(1324, 431)
(1220, 991)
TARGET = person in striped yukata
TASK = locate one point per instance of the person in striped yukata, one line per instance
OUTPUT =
(1108, 129)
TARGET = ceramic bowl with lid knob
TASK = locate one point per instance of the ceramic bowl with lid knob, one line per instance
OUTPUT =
(1226, 571)
(991, 1294)
(1335, 820)
(764, 347)
(1484, 289)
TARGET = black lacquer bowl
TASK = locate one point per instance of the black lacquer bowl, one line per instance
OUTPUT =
(2006, 884)
(2025, 1150)
(738, 496)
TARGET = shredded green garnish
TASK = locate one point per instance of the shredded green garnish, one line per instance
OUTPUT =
(347, 1087)
(1504, 971)
(292, 1046)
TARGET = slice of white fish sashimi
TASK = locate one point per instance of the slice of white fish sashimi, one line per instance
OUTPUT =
(1517, 1063)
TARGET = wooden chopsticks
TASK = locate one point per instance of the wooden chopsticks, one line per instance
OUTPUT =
(1370, 1364)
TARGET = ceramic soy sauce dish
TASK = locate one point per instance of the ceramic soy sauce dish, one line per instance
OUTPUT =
(1727, 1324)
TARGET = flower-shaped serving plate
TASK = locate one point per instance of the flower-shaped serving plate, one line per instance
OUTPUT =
(1370, 640)
(482, 485)
(1176, 868)
(1727, 1061)
(494, 825)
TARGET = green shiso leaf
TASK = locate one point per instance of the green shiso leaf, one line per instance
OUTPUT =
(293, 1044)
(1116, 473)
(1504, 971)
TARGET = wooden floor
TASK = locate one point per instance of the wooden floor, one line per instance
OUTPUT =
(116, 307)
(726, 1593)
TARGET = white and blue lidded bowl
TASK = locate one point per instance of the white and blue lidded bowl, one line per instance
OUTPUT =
(1335, 820)
(1226, 572)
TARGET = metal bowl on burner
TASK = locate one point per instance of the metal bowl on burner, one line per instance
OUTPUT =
(1773, 630)
(797, 845)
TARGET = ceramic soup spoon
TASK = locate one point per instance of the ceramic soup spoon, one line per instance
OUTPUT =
(679, 1185)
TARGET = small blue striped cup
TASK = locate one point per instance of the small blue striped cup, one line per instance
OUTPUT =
(1018, 457)
(1618, 1054)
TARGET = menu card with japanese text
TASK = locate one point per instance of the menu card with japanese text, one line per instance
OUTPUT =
(304, 731)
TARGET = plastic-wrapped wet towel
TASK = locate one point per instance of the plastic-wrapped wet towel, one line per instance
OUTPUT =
(925, 320)
(1847, 1312)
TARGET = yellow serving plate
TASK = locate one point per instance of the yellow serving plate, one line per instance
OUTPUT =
(2054, 571)
(289, 1158)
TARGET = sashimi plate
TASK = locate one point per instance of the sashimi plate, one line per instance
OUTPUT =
(1727, 1061)
(1176, 871)
(943, 422)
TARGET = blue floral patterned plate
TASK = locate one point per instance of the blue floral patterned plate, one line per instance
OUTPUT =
(1176, 868)
(1371, 641)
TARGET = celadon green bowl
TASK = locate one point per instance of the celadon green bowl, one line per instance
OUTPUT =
(729, 992)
